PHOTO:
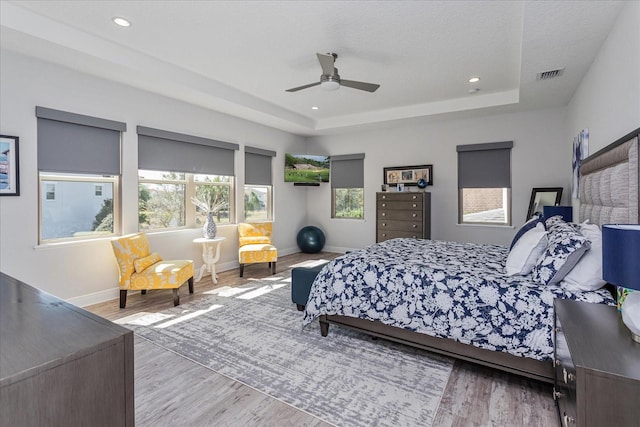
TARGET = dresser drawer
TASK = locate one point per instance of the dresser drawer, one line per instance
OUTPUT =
(405, 215)
(399, 205)
(400, 197)
(393, 234)
(412, 226)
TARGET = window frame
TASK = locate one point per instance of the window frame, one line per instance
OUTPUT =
(190, 210)
(333, 203)
(56, 176)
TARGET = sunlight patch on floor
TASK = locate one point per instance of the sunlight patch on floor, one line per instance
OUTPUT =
(261, 291)
(310, 263)
(143, 318)
(228, 291)
(187, 316)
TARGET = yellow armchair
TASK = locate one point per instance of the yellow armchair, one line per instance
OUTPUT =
(255, 245)
(142, 270)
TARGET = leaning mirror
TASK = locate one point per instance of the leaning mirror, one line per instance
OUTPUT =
(541, 197)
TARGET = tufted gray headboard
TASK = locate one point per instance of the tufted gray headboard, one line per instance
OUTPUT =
(609, 183)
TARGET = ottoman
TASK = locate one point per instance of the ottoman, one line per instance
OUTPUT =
(301, 280)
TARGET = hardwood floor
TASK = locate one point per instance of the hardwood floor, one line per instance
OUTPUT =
(171, 390)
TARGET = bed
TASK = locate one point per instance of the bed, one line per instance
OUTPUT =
(455, 298)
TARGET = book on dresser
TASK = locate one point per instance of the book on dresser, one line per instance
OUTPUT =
(403, 215)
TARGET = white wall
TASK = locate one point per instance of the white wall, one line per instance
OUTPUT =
(607, 101)
(539, 158)
(86, 272)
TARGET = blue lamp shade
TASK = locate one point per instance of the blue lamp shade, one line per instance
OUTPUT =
(566, 212)
(621, 255)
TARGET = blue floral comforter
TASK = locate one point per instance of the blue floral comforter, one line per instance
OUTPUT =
(444, 289)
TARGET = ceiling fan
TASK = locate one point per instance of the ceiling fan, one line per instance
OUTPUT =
(330, 79)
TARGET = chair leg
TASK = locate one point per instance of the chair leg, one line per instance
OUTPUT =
(191, 285)
(273, 267)
(123, 298)
(143, 292)
(241, 269)
(176, 297)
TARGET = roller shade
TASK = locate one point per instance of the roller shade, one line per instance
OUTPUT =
(257, 166)
(347, 171)
(176, 152)
(484, 165)
(75, 143)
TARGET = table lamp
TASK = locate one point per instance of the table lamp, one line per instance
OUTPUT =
(621, 267)
(566, 212)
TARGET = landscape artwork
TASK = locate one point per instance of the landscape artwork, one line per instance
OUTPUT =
(306, 168)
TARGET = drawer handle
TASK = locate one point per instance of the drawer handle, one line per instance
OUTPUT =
(384, 205)
(384, 224)
(568, 420)
(415, 205)
(556, 394)
(384, 197)
(414, 226)
(415, 237)
(384, 235)
(414, 215)
(568, 376)
(384, 214)
(414, 197)
(557, 362)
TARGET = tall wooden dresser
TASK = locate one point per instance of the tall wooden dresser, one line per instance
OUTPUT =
(403, 215)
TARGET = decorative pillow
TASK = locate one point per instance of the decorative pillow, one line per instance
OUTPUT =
(532, 223)
(587, 273)
(524, 254)
(566, 247)
(141, 264)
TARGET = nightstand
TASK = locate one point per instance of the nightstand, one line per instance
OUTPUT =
(597, 366)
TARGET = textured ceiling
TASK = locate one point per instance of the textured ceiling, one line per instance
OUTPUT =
(239, 57)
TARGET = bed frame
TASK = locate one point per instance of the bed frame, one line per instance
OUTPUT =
(615, 166)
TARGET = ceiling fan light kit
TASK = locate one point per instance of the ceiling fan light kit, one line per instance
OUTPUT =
(330, 79)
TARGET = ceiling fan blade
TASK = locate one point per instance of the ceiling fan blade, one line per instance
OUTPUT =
(369, 87)
(295, 89)
(327, 62)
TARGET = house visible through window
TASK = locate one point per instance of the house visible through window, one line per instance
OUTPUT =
(79, 174)
(484, 183)
(347, 186)
(257, 188)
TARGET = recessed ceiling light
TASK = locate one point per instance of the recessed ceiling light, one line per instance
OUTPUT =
(315, 108)
(121, 21)
(474, 79)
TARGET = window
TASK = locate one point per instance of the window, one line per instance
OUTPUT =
(173, 168)
(484, 183)
(79, 173)
(164, 199)
(347, 186)
(257, 189)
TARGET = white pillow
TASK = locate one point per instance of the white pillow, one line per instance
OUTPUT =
(526, 251)
(587, 273)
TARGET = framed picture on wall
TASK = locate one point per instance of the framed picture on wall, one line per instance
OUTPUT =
(9, 166)
(408, 175)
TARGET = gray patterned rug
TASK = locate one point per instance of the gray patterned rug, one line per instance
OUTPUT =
(254, 335)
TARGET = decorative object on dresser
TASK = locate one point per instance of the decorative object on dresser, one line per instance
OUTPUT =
(60, 364)
(541, 197)
(566, 212)
(620, 266)
(408, 175)
(597, 366)
(403, 215)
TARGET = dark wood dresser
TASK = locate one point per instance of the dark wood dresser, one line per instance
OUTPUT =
(597, 366)
(59, 364)
(403, 215)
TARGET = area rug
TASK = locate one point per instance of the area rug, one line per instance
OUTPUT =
(254, 335)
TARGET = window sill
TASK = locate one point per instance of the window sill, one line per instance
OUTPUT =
(72, 243)
(486, 225)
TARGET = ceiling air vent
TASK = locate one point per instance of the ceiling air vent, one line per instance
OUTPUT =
(546, 75)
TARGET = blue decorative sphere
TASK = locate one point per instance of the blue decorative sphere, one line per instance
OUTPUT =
(422, 183)
(310, 239)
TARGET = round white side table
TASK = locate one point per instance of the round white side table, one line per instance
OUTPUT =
(210, 255)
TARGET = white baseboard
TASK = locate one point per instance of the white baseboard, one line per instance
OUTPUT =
(95, 298)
